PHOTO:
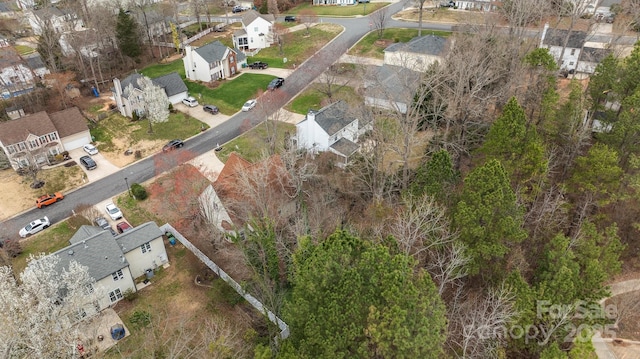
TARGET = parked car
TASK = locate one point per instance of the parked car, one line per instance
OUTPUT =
(90, 149)
(237, 8)
(113, 211)
(275, 83)
(88, 163)
(249, 105)
(290, 18)
(190, 101)
(172, 145)
(211, 109)
(35, 227)
(123, 227)
(259, 65)
(48, 199)
(102, 222)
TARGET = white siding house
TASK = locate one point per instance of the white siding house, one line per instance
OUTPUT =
(256, 32)
(332, 129)
(143, 247)
(59, 19)
(554, 40)
(210, 62)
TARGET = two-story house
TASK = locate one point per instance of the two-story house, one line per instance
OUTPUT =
(16, 75)
(61, 20)
(129, 98)
(334, 2)
(567, 56)
(256, 32)
(39, 136)
(210, 62)
(417, 54)
(391, 87)
(331, 128)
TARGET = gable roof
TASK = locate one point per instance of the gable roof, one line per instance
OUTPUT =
(231, 168)
(35, 62)
(394, 83)
(345, 147)
(85, 232)
(213, 51)
(427, 45)
(137, 236)
(100, 253)
(69, 122)
(251, 15)
(131, 79)
(333, 117)
(171, 83)
(18, 130)
(592, 54)
(556, 37)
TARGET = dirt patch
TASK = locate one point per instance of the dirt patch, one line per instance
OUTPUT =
(126, 154)
(628, 312)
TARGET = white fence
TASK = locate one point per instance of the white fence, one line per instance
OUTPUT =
(284, 328)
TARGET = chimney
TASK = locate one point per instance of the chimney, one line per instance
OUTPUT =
(85, 244)
(70, 252)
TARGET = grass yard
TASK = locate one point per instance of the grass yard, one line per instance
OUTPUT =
(231, 94)
(351, 10)
(252, 144)
(24, 50)
(158, 70)
(372, 46)
(311, 98)
(298, 46)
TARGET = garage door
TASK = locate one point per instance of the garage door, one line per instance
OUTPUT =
(76, 141)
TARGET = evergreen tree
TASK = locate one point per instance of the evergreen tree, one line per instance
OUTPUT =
(436, 177)
(127, 35)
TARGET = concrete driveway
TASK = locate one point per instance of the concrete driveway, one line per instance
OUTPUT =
(198, 113)
(103, 169)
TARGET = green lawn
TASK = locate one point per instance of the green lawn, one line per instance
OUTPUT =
(158, 70)
(51, 240)
(369, 46)
(24, 50)
(311, 98)
(252, 144)
(351, 10)
(231, 94)
(298, 46)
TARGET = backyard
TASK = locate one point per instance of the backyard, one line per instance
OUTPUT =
(373, 46)
(350, 10)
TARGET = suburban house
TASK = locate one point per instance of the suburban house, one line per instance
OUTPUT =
(16, 75)
(40, 136)
(334, 2)
(391, 87)
(333, 129)
(417, 54)
(480, 5)
(243, 190)
(210, 62)
(36, 65)
(256, 32)
(61, 20)
(590, 57)
(115, 262)
(554, 40)
(129, 99)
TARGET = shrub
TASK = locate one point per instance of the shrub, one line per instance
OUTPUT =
(137, 154)
(140, 319)
(130, 295)
(13, 248)
(139, 192)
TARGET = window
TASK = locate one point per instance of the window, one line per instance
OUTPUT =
(11, 149)
(146, 247)
(33, 144)
(573, 52)
(117, 275)
(255, 29)
(115, 295)
(232, 59)
(22, 146)
(571, 63)
(53, 136)
(44, 139)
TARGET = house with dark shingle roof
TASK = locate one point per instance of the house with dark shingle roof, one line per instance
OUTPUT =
(331, 128)
(590, 57)
(129, 99)
(115, 262)
(418, 53)
(40, 136)
(256, 32)
(211, 62)
(554, 40)
(16, 77)
(391, 87)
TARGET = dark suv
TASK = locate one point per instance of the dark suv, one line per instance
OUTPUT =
(172, 145)
(211, 109)
(275, 83)
(289, 18)
(88, 162)
(259, 65)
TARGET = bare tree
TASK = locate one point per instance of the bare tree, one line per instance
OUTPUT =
(420, 4)
(308, 18)
(280, 32)
(331, 81)
(379, 21)
(89, 212)
(522, 13)
(448, 264)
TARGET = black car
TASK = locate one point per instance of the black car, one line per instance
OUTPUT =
(211, 109)
(172, 145)
(237, 8)
(88, 162)
(289, 18)
(275, 83)
(259, 65)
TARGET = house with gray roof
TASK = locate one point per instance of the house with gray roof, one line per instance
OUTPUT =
(17, 77)
(211, 62)
(40, 136)
(128, 93)
(417, 54)
(256, 33)
(567, 56)
(332, 128)
(391, 87)
(590, 57)
(115, 262)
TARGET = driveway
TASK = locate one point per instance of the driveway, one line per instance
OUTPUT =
(198, 113)
(273, 71)
(103, 169)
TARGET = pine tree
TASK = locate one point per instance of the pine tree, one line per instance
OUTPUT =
(127, 35)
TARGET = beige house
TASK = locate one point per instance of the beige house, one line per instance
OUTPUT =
(40, 136)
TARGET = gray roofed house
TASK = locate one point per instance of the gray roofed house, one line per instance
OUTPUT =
(566, 57)
(345, 147)
(36, 64)
(257, 32)
(333, 117)
(137, 236)
(556, 37)
(85, 232)
(172, 84)
(99, 252)
(391, 87)
(211, 62)
(128, 103)
(418, 53)
(589, 59)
